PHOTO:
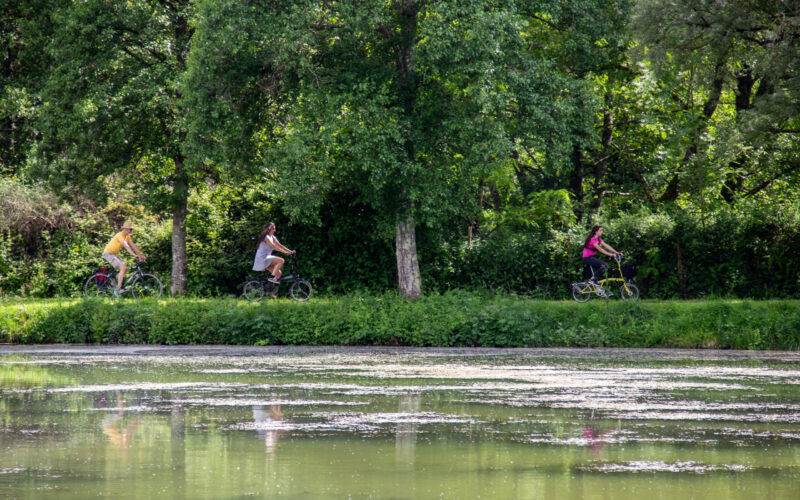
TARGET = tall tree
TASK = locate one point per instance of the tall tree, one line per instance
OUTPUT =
(731, 70)
(403, 102)
(25, 27)
(112, 105)
(583, 43)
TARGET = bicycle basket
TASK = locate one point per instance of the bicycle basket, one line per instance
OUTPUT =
(628, 271)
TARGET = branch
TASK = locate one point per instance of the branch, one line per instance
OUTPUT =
(545, 21)
(606, 157)
(776, 130)
(136, 56)
(640, 177)
(758, 188)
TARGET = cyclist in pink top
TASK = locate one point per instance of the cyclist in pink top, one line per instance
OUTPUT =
(593, 245)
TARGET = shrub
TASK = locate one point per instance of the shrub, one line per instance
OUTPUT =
(450, 319)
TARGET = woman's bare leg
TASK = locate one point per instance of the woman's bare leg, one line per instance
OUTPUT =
(275, 267)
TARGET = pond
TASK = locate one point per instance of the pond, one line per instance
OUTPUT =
(309, 423)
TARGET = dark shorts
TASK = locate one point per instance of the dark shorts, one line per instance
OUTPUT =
(597, 265)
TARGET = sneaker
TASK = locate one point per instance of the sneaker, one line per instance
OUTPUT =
(273, 279)
(120, 291)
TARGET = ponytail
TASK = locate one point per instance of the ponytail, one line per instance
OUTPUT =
(591, 235)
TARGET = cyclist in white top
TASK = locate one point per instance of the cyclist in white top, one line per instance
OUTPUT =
(267, 243)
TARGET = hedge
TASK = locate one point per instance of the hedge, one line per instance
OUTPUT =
(452, 319)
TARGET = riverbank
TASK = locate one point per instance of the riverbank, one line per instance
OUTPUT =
(453, 319)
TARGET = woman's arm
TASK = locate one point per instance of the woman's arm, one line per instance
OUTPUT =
(600, 249)
(282, 248)
(278, 246)
(614, 252)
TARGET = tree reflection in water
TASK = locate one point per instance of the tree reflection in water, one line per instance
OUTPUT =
(406, 434)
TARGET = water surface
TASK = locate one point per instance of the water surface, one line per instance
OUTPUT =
(310, 423)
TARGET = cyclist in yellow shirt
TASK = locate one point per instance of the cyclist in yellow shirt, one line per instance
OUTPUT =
(120, 240)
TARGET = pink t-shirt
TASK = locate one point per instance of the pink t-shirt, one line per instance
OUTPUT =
(588, 250)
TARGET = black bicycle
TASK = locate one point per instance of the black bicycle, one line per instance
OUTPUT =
(254, 289)
(103, 283)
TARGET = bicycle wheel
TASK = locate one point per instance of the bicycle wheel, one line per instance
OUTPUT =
(146, 285)
(99, 285)
(301, 290)
(253, 290)
(629, 291)
(581, 292)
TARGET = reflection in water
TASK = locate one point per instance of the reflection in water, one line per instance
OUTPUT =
(178, 449)
(118, 429)
(363, 423)
(265, 417)
(406, 433)
(18, 372)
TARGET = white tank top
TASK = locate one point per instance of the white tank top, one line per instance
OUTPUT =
(264, 250)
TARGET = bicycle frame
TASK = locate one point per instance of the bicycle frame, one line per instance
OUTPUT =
(621, 278)
(269, 285)
(135, 272)
(291, 275)
(299, 289)
(588, 288)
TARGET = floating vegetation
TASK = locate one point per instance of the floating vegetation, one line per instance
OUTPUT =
(475, 421)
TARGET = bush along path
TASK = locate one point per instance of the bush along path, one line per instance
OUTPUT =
(453, 319)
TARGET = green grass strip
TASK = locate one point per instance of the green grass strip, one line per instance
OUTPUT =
(452, 319)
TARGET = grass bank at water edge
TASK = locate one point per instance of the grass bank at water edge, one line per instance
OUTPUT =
(453, 319)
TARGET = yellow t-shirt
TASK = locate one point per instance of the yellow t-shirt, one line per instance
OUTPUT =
(115, 245)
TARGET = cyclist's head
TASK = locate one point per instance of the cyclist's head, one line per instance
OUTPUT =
(592, 234)
(267, 230)
(127, 225)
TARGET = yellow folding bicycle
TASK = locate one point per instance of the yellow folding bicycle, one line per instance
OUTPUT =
(585, 290)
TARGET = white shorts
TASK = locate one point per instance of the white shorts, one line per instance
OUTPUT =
(263, 264)
(112, 259)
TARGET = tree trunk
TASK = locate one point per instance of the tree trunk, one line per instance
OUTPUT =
(177, 284)
(408, 277)
(734, 181)
(601, 166)
(576, 181)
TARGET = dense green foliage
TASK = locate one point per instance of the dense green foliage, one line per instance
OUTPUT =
(502, 131)
(453, 319)
(748, 253)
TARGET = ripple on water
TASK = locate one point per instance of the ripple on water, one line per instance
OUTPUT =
(12, 470)
(353, 422)
(262, 402)
(652, 467)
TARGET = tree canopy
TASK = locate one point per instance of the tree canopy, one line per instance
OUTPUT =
(448, 123)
